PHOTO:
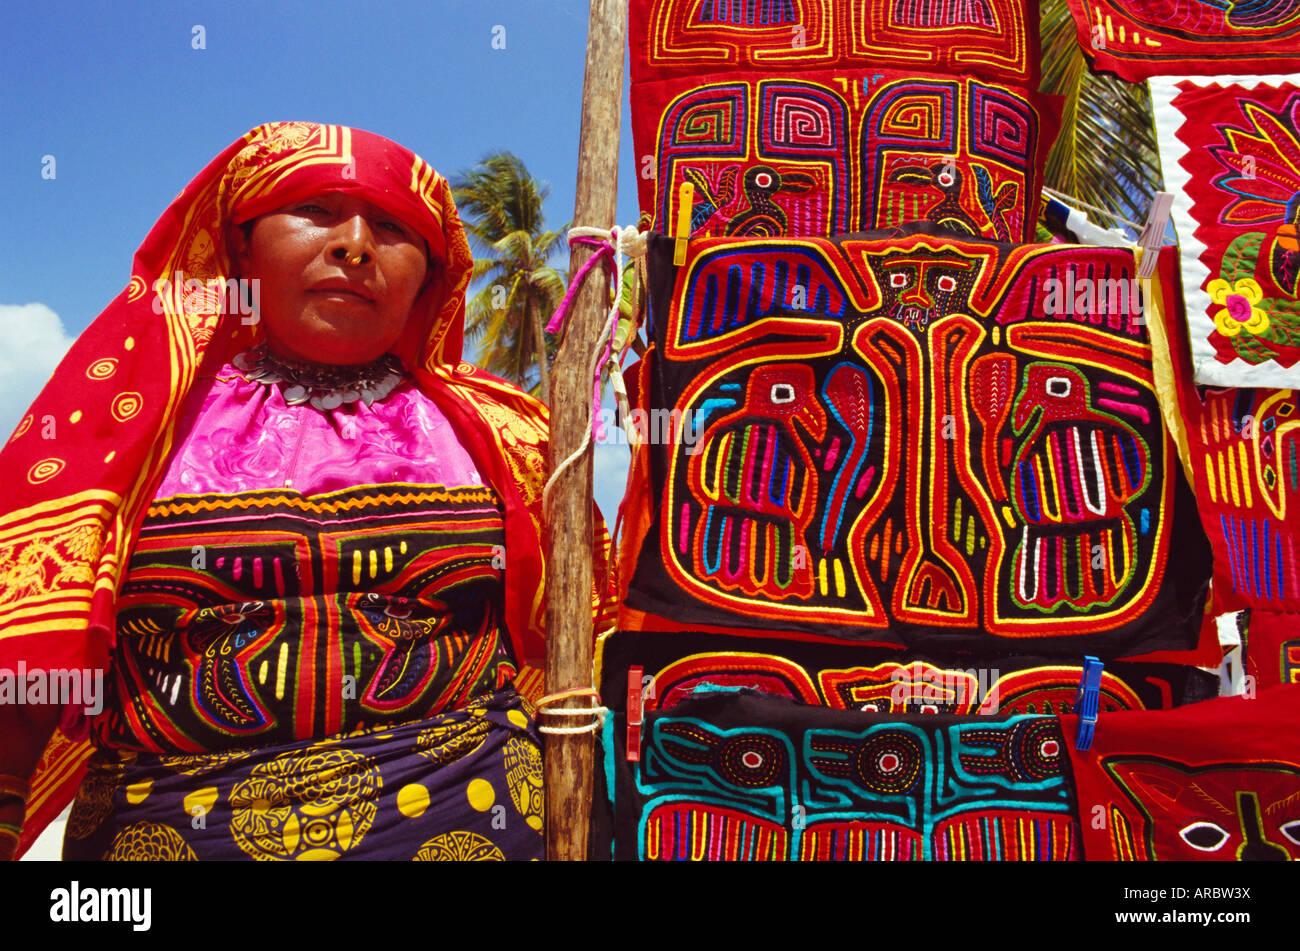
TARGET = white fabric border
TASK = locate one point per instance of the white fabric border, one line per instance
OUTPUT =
(1205, 367)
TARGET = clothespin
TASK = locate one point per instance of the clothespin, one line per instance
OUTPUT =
(1087, 701)
(635, 714)
(682, 233)
(1153, 235)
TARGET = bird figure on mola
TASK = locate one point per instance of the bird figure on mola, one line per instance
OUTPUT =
(949, 213)
(756, 484)
(1075, 470)
(761, 216)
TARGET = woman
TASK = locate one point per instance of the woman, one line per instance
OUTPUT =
(300, 535)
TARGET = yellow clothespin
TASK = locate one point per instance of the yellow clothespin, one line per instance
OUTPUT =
(682, 233)
(1153, 235)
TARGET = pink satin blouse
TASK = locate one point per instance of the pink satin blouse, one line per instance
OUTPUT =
(250, 438)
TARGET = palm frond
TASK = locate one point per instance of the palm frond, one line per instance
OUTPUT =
(1106, 151)
(547, 243)
(485, 267)
(516, 247)
(501, 205)
(550, 283)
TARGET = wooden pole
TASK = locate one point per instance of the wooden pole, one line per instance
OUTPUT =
(568, 764)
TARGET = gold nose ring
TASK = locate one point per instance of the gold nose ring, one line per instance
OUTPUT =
(355, 260)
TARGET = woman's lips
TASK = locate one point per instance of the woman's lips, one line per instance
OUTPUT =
(337, 293)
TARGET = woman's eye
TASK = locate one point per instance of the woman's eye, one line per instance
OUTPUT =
(312, 207)
(394, 226)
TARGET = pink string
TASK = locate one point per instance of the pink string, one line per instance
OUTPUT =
(603, 250)
(597, 424)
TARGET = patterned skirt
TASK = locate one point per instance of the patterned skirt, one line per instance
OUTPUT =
(462, 785)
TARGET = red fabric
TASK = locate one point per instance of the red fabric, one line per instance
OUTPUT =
(852, 565)
(1246, 461)
(1273, 648)
(1208, 652)
(85, 461)
(826, 152)
(996, 39)
(1244, 187)
(1137, 39)
(1216, 780)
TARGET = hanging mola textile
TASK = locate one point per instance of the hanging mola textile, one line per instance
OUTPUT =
(865, 122)
(1231, 156)
(879, 679)
(729, 774)
(911, 440)
(1273, 648)
(725, 772)
(1218, 780)
(994, 39)
(1137, 39)
(1245, 467)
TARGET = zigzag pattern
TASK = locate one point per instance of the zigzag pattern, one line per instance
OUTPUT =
(318, 505)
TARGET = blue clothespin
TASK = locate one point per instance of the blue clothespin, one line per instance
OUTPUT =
(1087, 701)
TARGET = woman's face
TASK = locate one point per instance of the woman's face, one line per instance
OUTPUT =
(336, 277)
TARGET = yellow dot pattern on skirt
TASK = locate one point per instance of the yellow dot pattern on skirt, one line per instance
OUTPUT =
(518, 719)
(201, 801)
(136, 793)
(481, 794)
(412, 800)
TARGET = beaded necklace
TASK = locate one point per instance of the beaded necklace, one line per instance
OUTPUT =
(325, 386)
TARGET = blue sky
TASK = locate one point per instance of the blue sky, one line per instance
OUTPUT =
(130, 111)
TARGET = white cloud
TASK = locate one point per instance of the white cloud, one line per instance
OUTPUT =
(32, 342)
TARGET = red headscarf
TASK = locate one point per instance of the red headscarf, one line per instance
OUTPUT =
(84, 463)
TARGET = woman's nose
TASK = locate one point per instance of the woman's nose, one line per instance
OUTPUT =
(352, 241)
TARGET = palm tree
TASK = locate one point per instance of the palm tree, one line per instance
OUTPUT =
(1106, 152)
(502, 208)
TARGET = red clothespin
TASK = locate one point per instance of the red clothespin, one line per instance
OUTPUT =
(635, 714)
(1153, 235)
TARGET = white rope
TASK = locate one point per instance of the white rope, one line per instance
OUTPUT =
(591, 420)
(597, 712)
(591, 727)
(627, 241)
(632, 243)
